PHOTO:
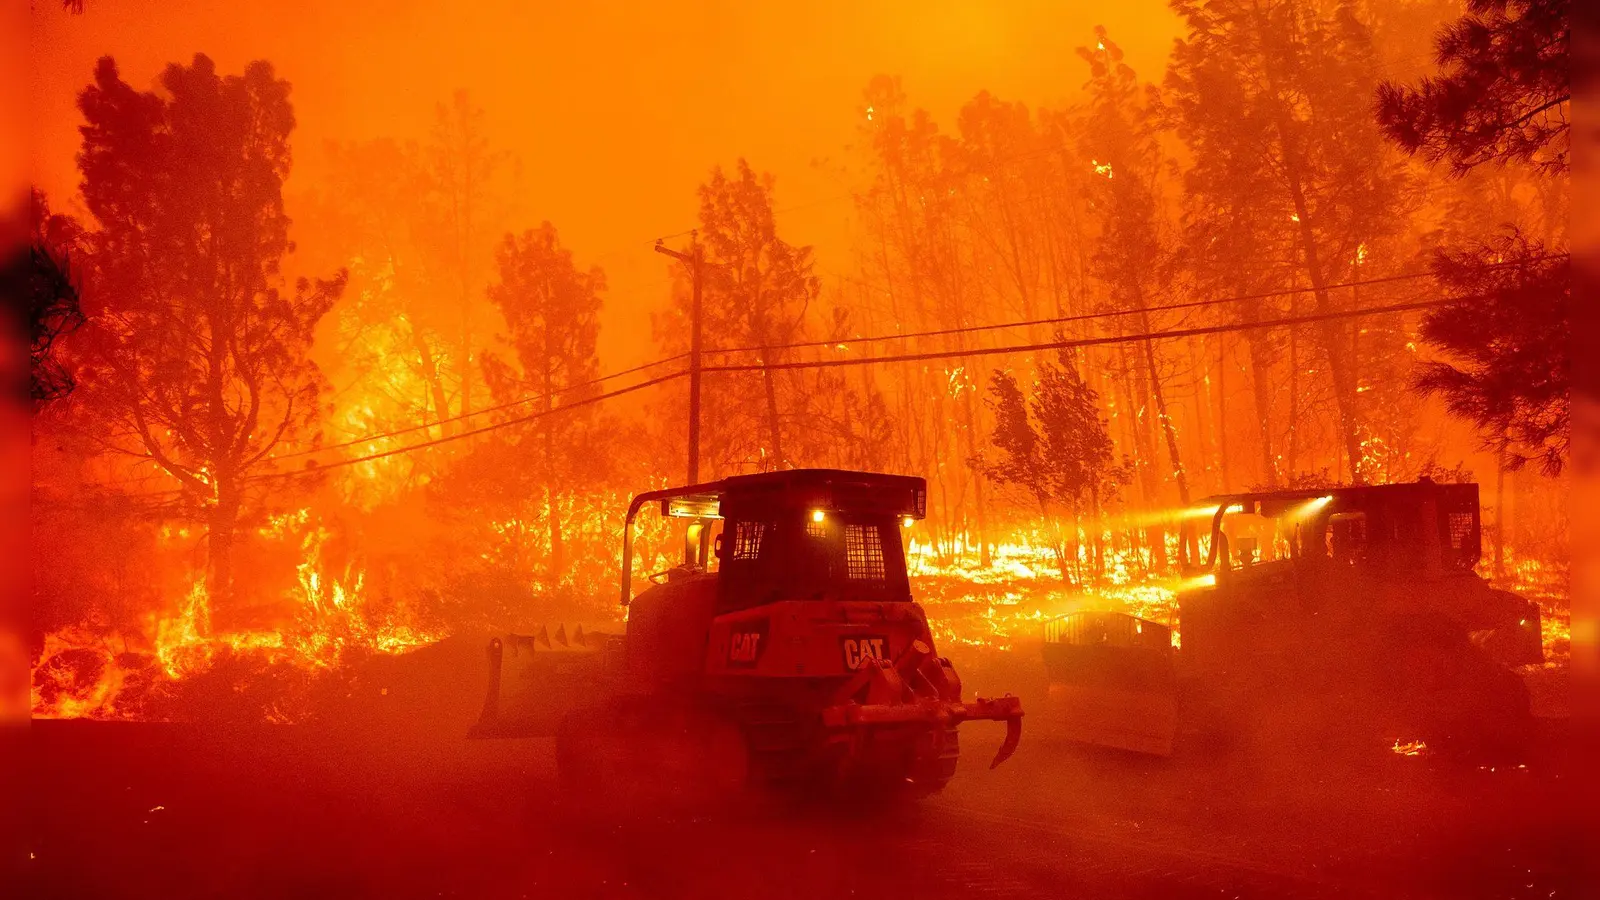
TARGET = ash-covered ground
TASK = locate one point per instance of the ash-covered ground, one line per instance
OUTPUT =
(388, 799)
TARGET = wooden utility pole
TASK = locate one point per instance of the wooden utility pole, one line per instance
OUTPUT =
(694, 260)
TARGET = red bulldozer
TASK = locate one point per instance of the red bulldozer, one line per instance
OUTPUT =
(785, 651)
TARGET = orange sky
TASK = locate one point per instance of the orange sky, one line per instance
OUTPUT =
(616, 109)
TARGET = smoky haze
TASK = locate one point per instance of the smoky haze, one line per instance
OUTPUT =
(615, 111)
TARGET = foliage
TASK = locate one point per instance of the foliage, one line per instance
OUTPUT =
(551, 312)
(1054, 445)
(1504, 95)
(1507, 338)
(1291, 185)
(757, 289)
(197, 360)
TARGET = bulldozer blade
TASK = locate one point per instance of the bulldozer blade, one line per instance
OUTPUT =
(1009, 745)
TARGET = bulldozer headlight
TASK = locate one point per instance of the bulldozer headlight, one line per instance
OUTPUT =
(818, 515)
(906, 522)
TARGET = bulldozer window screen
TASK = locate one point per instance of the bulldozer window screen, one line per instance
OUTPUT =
(747, 539)
(794, 556)
(863, 553)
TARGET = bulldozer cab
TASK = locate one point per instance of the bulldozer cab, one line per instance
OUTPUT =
(800, 534)
(1413, 530)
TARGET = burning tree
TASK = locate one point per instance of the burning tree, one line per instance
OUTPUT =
(1504, 95)
(758, 288)
(1133, 260)
(1056, 447)
(1503, 98)
(1273, 100)
(198, 358)
(551, 311)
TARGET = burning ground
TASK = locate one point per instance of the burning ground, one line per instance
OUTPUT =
(176, 666)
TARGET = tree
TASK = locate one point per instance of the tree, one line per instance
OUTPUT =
(1270, 97)
(929, 216)
(1055, 446)
(1507, 368)
(198, 362)
(1504, 95)
(551, 311)
(757, 289)
(462, 167)
(1504, 98)
(1132, 259)
(377, 212)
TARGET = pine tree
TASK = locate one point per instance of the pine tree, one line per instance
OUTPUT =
(1507, 366)
(1055, 446)
(197, 360)
(1504, 95)
(551, 311)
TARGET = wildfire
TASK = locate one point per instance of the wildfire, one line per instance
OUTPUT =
(88, 673)
(1410, 748)
(992, 608)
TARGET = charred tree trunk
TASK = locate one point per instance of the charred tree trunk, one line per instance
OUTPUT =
(222, 521)
(1344, 392)
(980, 519)
(1222, 412)
(1099, 543)
(1500, 517)
(1149, 490)
(1168, 431)
(1292, 449)
(430, 375)
(1260, 377)
(774, 431)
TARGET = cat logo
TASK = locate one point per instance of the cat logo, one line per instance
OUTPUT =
(860, 650)
(745, 645)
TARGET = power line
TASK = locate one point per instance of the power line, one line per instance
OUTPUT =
(905, 357)
(970, 329)
(1086, 342)
(477, 412)
(474, 432)
(910, 357)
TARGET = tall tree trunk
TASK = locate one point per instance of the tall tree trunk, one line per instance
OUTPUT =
(1500, 517)
(1260, 377)
(1291, 456)
(1222, 412)
(1099, 534)
(1159, 395)
(552, 502)
(1168, 431)
(1149, 490)
(774, 431)
(1199, 398)
(222, 521)
(1344, 392)
(430, 376)
(980, 517)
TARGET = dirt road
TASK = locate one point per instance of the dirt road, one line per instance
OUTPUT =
(146, 810)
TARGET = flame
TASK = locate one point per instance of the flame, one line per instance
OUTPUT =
(87, 674)
(993, 608)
